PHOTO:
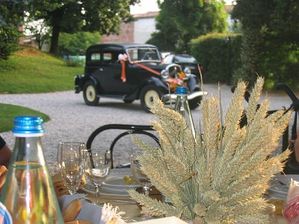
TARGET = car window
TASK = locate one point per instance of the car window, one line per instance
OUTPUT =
(95, 57)
(107, 56)
(143, 54)
(184, 59)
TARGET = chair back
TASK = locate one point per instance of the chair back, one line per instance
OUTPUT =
(123, 130)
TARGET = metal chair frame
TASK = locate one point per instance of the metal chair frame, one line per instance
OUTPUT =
(128, 129)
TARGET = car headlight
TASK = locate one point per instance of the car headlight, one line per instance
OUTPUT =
(187, 71)
(164, 74)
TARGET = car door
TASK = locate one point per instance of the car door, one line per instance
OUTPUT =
(110, 73)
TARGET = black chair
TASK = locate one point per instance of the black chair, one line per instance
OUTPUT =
(292, 166)
(127, 129)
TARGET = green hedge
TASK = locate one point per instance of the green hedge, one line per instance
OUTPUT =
(219, 54)
(8, 41)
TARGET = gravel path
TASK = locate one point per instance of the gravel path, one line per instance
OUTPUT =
(72, 120)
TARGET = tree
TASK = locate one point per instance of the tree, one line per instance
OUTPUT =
(72, 16)
(11, 17)
(270, 40)
(77, 43)
(180, 21)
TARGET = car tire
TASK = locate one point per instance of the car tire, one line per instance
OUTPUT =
(194, 103)
(90, 94)
(148, 95)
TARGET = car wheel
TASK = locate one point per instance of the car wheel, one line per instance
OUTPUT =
(90, 94)
(128, 101)
(148, 96)
(194, 103)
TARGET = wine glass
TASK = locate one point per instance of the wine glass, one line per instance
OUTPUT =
(138, 175)
(98, 169)
(70, 161)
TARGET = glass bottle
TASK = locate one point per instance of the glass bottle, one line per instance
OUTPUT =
(28, 193)
(182, 106)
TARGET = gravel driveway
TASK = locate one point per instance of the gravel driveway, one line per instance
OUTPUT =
(72, 120)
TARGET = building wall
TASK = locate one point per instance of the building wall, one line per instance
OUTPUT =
(126, 34)
(138, 31)
(143, 28)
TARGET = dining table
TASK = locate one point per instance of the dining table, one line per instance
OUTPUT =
(114, 191)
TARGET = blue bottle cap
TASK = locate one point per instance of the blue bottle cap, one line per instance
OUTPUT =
(181, 90)
(28, 125)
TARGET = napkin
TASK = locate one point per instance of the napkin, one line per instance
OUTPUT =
(172, 220)
(90, 212)
(291, 209)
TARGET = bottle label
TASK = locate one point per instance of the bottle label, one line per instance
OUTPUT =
(5, 217)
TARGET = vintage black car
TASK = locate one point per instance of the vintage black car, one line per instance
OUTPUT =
(186, 61)
(131, 72)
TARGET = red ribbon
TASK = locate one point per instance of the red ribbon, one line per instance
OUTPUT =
(123, 76)
(148, 69)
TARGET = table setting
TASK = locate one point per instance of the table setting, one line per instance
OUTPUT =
(226, 174)
(84, 179)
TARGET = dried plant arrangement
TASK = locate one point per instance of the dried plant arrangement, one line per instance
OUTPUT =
(223, 175)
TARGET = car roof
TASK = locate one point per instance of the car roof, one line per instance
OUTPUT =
(180, 55)
(119, 45)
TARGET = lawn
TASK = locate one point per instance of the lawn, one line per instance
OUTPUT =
(8, 112)
(32, 71)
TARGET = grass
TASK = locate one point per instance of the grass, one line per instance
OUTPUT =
(9, 111)
(32, 71)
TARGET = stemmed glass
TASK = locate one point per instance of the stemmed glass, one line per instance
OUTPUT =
(98, 169)
(70, 161)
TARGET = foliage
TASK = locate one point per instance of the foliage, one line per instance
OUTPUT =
(8, 41)
(221, 177)
(77, 43)
(31, 71)
(8, 112)
(219, 54)
(11, 15)
(180, 21)
(71, 16)
(39, 30)
(270, 40)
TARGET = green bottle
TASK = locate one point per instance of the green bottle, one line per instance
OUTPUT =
(28, 193)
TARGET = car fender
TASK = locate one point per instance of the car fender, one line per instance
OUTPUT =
(79, 82)
(150, 81)
(192, 83)
(155, 82)
(93, 80)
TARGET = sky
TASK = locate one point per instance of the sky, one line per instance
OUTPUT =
(150, 5)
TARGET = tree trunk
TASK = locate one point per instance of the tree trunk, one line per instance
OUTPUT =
(57, 18)
(54, 39)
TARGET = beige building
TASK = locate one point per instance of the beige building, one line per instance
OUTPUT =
(138, 31)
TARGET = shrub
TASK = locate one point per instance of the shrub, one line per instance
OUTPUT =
(77, 43)
(219, 54)
(8, 41)
(74, 61)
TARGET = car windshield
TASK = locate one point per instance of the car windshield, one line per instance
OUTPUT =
(143, 54)
(184, 59)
